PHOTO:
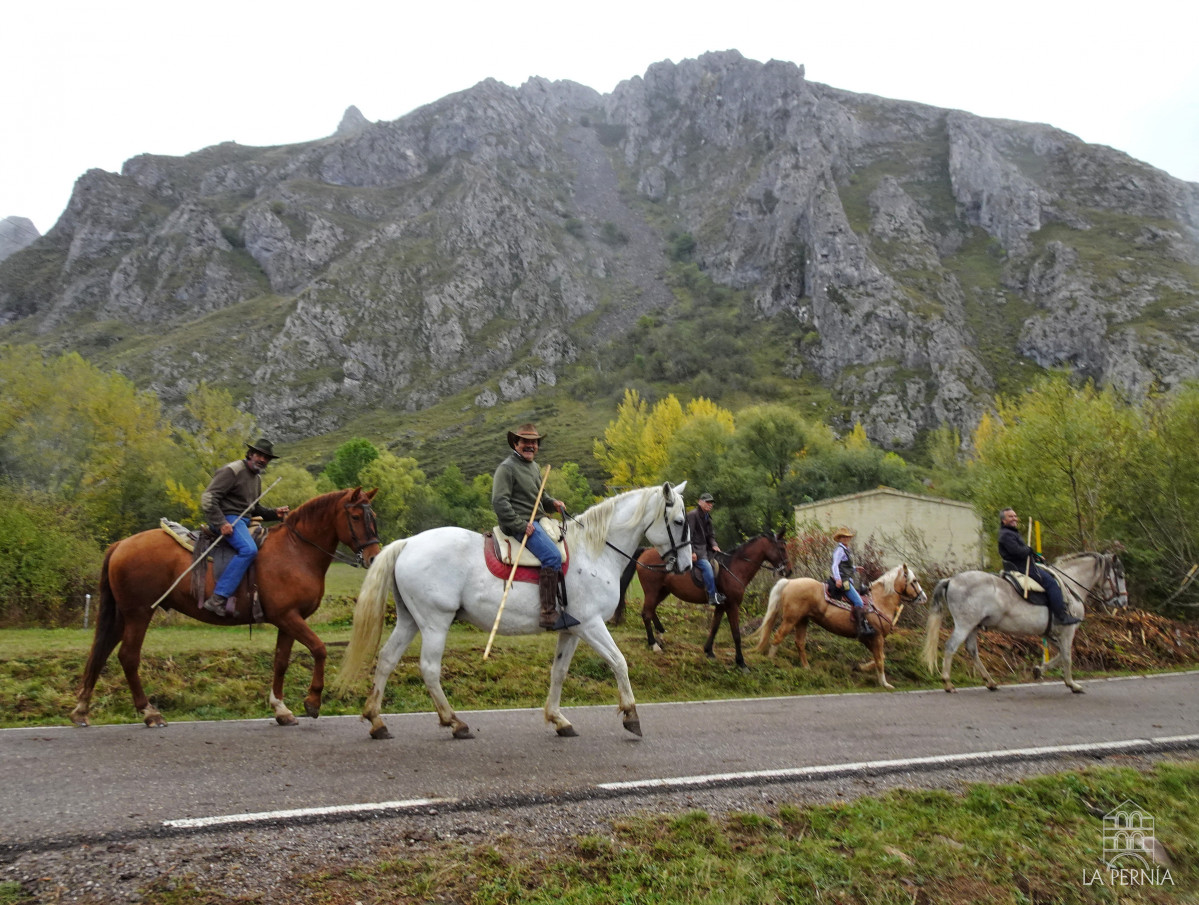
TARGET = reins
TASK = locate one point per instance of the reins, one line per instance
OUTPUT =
(368, 516)
(671, 554)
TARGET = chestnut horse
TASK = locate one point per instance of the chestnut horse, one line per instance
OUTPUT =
(732, 579)
(291, 569)
(793, 603)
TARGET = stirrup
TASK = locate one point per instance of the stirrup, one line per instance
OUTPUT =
(565, 621)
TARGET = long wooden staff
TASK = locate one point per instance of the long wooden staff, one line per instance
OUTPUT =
(201, 559)
(1028, 560)
(515, 559)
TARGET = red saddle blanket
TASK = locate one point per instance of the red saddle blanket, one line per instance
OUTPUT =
(500, 569)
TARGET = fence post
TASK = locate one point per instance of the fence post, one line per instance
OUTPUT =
(87, 605)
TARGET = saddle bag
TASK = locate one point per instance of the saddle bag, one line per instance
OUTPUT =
(507, 546)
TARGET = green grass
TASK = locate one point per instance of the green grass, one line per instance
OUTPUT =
(1029, 842)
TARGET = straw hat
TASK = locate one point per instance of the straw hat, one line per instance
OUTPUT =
(842, 532)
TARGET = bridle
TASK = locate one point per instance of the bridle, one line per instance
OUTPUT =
(904, 598)
(672, 553)
(1112, 573)
(372, 535)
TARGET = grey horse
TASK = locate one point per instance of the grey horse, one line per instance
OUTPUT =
(978, 600)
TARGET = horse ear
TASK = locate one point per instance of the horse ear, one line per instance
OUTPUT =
(680, 487)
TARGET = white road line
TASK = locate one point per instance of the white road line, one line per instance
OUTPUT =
(263, 816)
(945, 760)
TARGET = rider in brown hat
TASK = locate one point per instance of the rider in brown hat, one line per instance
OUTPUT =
(843, 573)
(514, 490)
(229, 501)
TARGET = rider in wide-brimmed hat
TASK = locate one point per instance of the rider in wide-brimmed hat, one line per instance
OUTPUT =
(514, 490)
(228, 503)
(843, 574)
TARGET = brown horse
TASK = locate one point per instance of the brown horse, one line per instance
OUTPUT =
(291, 569)
(793, 603)
(734, 577)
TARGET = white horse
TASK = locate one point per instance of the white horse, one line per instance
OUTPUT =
(440, 575)
(978, 600)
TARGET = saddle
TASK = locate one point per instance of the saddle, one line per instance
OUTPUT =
(697, 577)
(499, 548)
(836, 596)
(197, 542)
(1020, 581)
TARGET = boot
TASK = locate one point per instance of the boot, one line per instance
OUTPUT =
(547, 584)
(865, 629)
(1057, 606)
(216, 605)
(565, 620)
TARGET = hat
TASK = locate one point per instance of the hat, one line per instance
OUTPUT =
(263, 446)
(706, 498)
(524, 432)
(842, 532)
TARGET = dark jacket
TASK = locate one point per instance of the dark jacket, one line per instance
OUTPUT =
(230, 491)
(703, 535)
(513, 491)
(1014, 552)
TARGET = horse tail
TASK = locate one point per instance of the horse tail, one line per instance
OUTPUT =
(626, 579)
(773, 607)
(932, 629)
(109, 626)
(369, 615)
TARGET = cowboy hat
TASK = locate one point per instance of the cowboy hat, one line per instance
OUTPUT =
(263, 446)
(842, 532)
(524, 432)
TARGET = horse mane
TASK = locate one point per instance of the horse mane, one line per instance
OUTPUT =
(1071, 557)
(315, 508)
(888, 578)
(597, 520)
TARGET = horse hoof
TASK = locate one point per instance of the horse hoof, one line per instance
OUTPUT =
(709, 655)
(380, 734)
(992, 688)
(567, 732)
(634, 726)
(313, 711)
(743, 668)
(1036, 673)
(950, 689)
(1077, 689)
(288, 720)
(463, 732)
(656, 647)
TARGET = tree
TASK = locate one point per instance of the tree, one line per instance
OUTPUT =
(211, 431)
(403, 493)
(348, 460)
(1059, 454)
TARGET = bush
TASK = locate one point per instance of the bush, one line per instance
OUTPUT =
(47, 561)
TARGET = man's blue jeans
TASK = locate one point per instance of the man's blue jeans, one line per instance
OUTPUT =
(241, 541)
(705, 569)
(543, 548)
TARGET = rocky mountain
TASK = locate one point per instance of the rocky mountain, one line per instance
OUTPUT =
(15, 234)
(910, 260)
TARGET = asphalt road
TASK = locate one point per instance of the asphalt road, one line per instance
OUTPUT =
(63, 786)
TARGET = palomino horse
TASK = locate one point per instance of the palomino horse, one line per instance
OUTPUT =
(793, 603)
(291, 570)
(732, 580)
(440, 575)
(979, 600)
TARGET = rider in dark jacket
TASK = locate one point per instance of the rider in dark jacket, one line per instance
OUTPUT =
(1019, 556)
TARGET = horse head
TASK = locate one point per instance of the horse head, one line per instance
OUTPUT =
(669, 535)
(778, 555)
(360, 531)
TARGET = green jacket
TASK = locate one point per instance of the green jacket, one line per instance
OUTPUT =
(513, 491)
(230, 492)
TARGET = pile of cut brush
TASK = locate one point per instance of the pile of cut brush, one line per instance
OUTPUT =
(1119, 641)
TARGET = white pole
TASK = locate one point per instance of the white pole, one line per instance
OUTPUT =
(87, 605)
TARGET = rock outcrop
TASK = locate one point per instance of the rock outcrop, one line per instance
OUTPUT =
(459, 248)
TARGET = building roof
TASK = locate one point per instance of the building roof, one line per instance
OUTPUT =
(882, 491)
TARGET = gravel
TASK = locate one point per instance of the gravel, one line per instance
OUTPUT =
(265, 863)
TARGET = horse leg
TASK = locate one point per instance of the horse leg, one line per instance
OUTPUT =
(389, 658)
(130, 656)
(431, 649)
(956, 637)
(649, 616)
(735, 628)
(801, 641)
(878, 650)
(283, 645)
(103, 645)
(292, 627)
(717, 616)
(972, 649)
(568, 643)
(1065, 647)
(598, 637)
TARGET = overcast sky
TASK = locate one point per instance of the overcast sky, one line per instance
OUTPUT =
(91, 84)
